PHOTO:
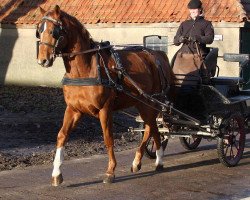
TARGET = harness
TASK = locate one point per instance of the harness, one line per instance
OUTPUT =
(99, 80)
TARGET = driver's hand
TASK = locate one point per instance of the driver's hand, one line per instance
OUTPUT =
(195, 38)
(182, 39)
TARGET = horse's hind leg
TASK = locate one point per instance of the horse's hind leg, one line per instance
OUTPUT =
(149, 117)
(70, 119)
(106, 123)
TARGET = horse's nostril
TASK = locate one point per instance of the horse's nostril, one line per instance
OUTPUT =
(42, 62)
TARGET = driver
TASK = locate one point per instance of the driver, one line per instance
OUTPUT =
(195, 30)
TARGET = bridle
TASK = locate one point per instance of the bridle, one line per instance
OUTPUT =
(57, 35)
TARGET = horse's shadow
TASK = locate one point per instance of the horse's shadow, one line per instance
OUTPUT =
(151, 173)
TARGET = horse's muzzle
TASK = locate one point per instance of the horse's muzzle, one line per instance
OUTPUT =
(45, 63)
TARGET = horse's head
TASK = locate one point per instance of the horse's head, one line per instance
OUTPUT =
(51, 35)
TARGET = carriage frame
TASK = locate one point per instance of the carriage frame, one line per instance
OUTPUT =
(227, 114)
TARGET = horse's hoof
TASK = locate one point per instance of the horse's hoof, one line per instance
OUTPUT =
(109, 178)
(159, 168)
(135, 168)
(56, 180)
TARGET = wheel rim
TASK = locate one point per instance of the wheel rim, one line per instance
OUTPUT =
(232, 140)
(151, 146)
(192, 141)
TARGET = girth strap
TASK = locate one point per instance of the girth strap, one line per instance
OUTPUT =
(84, 81)
(90, 81)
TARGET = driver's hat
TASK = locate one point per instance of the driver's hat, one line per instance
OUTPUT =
(194, 4)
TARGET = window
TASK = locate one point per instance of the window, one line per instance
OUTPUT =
(156, 42)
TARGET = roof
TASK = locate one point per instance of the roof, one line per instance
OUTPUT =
(124, 11)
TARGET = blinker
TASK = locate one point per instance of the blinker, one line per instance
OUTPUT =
(55, 32)
(39, 30)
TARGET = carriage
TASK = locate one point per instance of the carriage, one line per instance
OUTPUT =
(100, 79)
(218, 108)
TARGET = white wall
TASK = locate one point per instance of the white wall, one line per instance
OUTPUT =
(18, 50)
(18, 64)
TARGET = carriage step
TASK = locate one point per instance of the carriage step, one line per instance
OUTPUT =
(161, 130)
(139, 119)
(192, 133)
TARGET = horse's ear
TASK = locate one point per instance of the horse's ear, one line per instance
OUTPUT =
(42, 11)
(57, 10)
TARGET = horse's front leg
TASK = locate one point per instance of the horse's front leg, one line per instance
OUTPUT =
(70, 120)
(106, 123)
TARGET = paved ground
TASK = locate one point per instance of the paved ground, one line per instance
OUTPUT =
(187, 175)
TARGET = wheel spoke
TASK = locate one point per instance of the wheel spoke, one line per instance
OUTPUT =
(231, 152)
(236, 146)
(152, 147)
(226, 149)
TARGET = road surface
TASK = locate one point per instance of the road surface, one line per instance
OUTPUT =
(186, 175)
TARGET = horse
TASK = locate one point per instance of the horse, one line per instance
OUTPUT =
(61, 34)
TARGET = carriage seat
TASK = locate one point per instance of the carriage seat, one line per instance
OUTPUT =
(228, 86)
(223, 80)
(211, 60)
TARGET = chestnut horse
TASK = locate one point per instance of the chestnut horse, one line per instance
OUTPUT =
(60, 32)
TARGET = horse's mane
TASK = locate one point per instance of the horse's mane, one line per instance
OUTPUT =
(79, 26)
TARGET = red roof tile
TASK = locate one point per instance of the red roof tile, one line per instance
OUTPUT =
(124, 11)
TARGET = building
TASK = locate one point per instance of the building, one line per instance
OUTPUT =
(119, 21)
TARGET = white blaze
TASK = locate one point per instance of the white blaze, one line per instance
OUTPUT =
(44, 29)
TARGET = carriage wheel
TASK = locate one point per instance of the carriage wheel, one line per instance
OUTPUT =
(230, 146)
(150, 145)
(190, 143)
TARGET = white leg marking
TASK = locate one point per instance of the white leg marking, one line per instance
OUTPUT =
(58, 161)
(159, 156)
(135, 163)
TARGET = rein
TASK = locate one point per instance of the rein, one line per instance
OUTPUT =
(82, 52)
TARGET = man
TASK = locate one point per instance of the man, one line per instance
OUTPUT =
(189, 67)
(194, 31)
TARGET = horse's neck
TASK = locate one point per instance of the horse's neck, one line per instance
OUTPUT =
(79, 65)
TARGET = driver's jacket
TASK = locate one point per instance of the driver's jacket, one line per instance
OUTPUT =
(200, 28)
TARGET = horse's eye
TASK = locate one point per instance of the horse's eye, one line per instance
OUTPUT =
(51, 32)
